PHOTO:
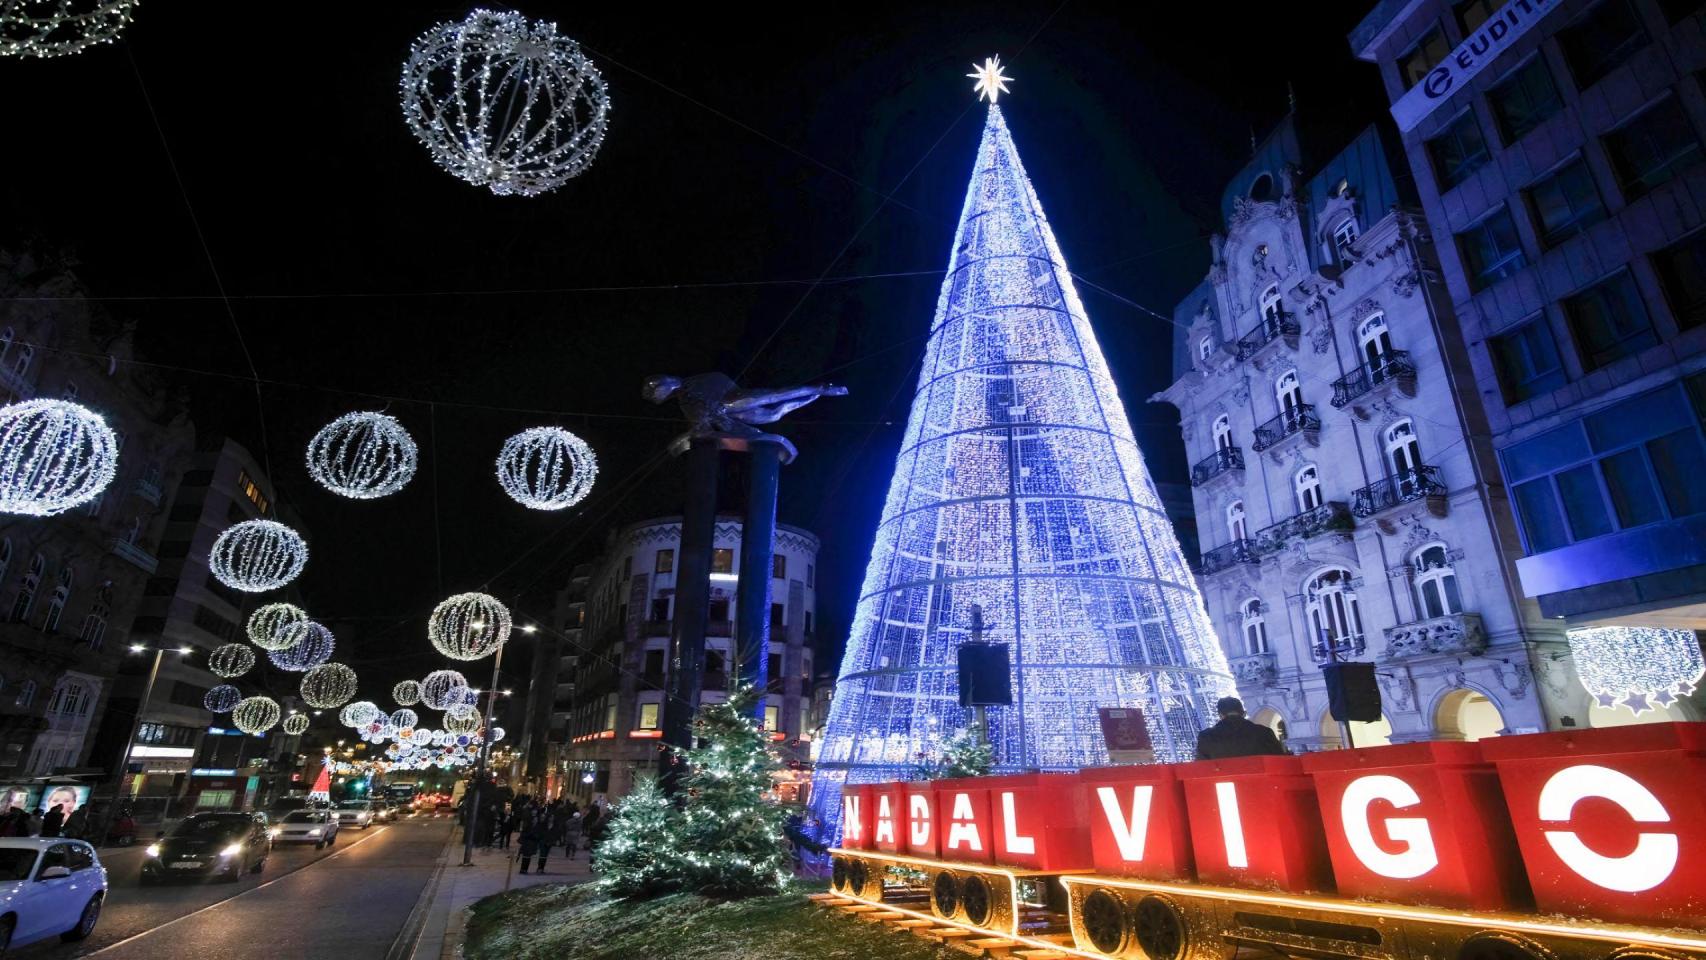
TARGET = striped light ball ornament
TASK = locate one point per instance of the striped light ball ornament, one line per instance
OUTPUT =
(296, 724)
(311, 645)
(258, 555)
(54, 455)
(231, 660)
(269, 626)
(546, 468)
(362, 456)
(221, 699)
(407, 693)
(359, 714)
(328, 685)
(256, 714)
(468, 626)
(441, 688)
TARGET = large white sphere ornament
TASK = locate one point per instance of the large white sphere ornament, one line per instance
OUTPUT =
(358, 714)
(269, 625)
(497, 734)
(258, 555)
(328, 685)
(441, 688)
(468, 626)
(310, 645)
(546, 468)
(467, 724)
(54, 455)
(422, 736)
(57, 28)
(462, 711)
(407, 693)
(362, 456)
(231, 660)
(296, 724)
(256, 714)
(221, 699)
(405, 718)
(504, 102)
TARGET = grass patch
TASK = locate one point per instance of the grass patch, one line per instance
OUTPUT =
(574, 922)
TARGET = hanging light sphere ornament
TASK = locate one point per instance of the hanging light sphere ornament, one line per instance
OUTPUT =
(54, 455)
(462, 711)
(441, 688)
(455, 724)
(57, 28)
(256, 715)
(258, 555)
(504, 102)
(358, 714)
(547, 468)
(468, 626)
(497, 734)
(405, 718)
(269, 625)
(407, 693)
(328, 686)
(296, 724)
(310, 645)
(221, 699)
(1637, 667)
(362, 456)
(231, 660)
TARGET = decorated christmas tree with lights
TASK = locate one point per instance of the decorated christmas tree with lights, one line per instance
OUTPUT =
(640, 854)
(731, 826)
(1019, 487)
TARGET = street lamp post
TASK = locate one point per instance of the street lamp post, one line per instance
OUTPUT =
(135, 728)
(472, 815)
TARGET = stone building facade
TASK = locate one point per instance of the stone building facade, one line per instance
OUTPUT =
(1346, 501)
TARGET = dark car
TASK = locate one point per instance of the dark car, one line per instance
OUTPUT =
(223, 845)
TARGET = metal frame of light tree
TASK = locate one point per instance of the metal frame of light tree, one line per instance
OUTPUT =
(1019, 486)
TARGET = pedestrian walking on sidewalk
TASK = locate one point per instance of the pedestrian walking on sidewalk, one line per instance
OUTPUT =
(510, 822)
(535, 838)
(569, 831)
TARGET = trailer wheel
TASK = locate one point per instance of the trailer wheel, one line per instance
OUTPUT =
(838, 874)
(975, 900)
(1160, 929)
(858, 875)
(945, 894)
(1496, 945)
(1104, 919)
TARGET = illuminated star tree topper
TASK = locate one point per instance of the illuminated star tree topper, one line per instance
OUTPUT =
(991, 79)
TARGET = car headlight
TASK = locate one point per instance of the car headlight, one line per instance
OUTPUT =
(275, 831)
(153, 850)
(232, 851)
(314, 832)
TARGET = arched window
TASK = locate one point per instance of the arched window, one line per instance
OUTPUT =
(1255, 628)
(1335, 619)
(1270, 301)
(1205, 347)
(56, 602)
(1235, 521)
(1403, 452)
(1307, 483)
(95, 624)
(1344, 235)
(1375, 341)
(1223, 432)
(1436, 582)
(1262, 188)
(27, 587)
(27, 693)
(1288, 392)
(21, 362)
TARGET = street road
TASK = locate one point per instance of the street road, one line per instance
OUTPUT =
(348, 901)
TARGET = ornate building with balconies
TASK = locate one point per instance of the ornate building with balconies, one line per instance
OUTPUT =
(1346, 501)
(621, 674)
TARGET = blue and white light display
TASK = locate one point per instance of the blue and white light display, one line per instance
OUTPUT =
(1019, 488)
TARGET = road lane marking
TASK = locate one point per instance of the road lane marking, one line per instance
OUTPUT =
(242, 893)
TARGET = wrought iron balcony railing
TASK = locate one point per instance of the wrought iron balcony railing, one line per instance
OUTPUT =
(1222, 460)
(1334, 515)
(1394, 365)
(1345, 645)
(1292, 421)
(1406, 487)
(1281, 324)
(1223, 557)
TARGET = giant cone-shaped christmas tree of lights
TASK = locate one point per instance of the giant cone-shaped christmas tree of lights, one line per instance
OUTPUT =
(1019, 487)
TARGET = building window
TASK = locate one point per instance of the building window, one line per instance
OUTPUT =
(665, 562)
(649, 716)
(772, 719)
(21, 362)
(808, 624)
(1307, 484)
(1403, 450)
(94, 633)
(1652, 148)
(1600, 40)
(1415, 63)
(1565, 203)
(1288, 392)
(1435, 582)
(811, 575)
(660, 609)
(777, 616)
(56, 603)
(1609, 321)
(1524, 100)
(1682, 274)
(251, 490)
(723, 560)
(1632, 463)
(1457, 151)
(1222, 432)
(1205, 348)
(1376, 341)
(1270, 301)
(1526, 359)
(778, 567)
(27, 587)
(610, 712)
(1344, 236)
(26, 694)
(627, 567)
(1334, 615)
(1235, 521)
(1255, 628)
(1490, 250)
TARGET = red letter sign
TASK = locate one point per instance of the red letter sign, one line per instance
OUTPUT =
(856, 817)
(1254, 823)
(1138, 825)
(1037, 824)
(922, 838)
(962, 814)
(888, 813)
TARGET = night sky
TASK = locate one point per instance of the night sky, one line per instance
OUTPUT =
(751, 151)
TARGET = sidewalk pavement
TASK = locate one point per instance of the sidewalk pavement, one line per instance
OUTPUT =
(442, 913)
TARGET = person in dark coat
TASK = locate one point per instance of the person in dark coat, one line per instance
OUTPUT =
(569, 830)
(54, 822)
(1234, 736)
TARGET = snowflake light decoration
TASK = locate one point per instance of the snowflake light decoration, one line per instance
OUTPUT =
(257, 555)
(328, 685)
(358, 714)
(256, 715)
(57, 28)
(1637, 667)
(363, 456)
(405, 718)
(407, 693)
(547, 468)
(54, 455)
(221, 699)
(468, 626)
(296, 724)
(310, 645)
(441, 688)
(504, 102)
(269, 625)
(231, 660)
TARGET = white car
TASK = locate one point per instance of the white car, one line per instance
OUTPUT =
(49, 886)
(307, 826)
(355, 813)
